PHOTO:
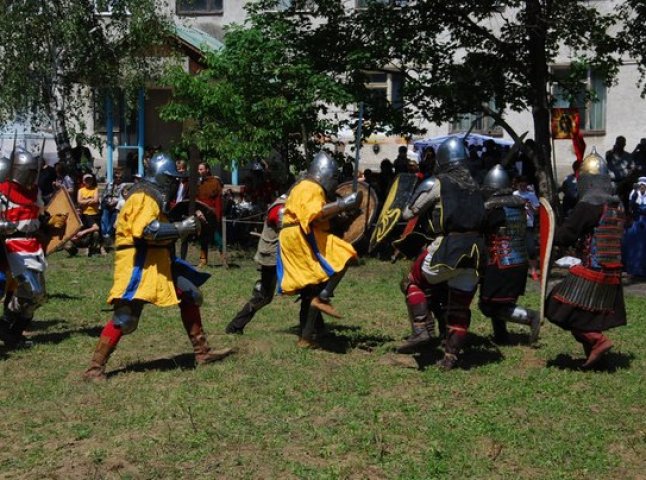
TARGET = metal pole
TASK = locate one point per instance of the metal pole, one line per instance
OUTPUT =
(357, 153)
(141, 124)
(109, 133)
(224, 242)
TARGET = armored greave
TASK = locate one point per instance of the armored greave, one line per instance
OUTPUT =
(328, 290)
(262, 295)
(458, 319)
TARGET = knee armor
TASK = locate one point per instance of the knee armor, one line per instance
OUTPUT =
(126, 316)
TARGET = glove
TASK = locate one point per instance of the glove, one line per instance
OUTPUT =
(188, 226)
(7, 228)
(351, 201)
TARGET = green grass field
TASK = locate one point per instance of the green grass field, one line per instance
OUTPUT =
(272, 411)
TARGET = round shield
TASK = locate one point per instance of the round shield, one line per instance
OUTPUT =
(180, 211)
(357, 227)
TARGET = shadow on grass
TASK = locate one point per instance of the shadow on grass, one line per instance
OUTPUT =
(58, 337)
(610, 362)
(63, 296)
(478, 351)
(183, 361)
(44, 324)
(344, 338)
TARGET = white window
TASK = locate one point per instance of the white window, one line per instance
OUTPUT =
(298, 5)
(592, 107)
(477, 123)
(199, 7)
(107, 7)
(386, 86)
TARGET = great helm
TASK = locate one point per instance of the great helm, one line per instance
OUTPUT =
(24, 167)
(323, 170)
(594, 177)
(163, 174)
(496, 179)
(451, 152)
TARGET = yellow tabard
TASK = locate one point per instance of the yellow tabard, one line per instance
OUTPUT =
(308, 253)
(141, 273)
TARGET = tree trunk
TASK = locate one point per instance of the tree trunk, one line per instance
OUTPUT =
(538, 79)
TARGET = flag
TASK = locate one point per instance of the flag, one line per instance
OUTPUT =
(563, 120)
(578, 144)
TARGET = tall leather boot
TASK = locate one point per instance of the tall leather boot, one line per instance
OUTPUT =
(598, 344)
(192, 321)
(110, 336)
(96, 370)
(421, 320)
(458, 319)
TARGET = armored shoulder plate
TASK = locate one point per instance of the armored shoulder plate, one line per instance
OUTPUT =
(425, 186)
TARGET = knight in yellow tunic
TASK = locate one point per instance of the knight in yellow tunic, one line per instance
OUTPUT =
(311, 260)
(146, 270)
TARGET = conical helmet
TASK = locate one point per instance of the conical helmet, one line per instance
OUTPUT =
(594, 183)
(497, 178)
(323, 170)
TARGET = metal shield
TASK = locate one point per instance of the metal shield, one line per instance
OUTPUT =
(398, 197)
(357, 226)
(61, 204)
(547, 225)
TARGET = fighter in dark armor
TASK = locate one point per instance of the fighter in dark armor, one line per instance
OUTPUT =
(147, 271)
(505, 273)
(590, 299)
(311, 260)
(446, 272)
(20, 210)
(265, 258)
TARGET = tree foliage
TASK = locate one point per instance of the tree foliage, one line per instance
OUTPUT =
(458, 57)
(52, 52)
(255, 96)
(634, 12)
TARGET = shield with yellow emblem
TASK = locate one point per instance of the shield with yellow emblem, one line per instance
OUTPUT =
(398, 197)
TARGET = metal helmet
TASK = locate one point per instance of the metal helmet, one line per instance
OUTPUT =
(5, 168)
(451, 152)
(496, 179)
(323, 170)
(163, 174)
(24, 167)
(594, 182)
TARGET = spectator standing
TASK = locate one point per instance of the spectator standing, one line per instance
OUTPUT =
(63, 180)
(570, 189)
(209, 192)
(634, 241)
(87, 200)
(46, 180)
(385, 178)
(109, 211)
(401, 162)
(620, 162)
(531, 208)
(639, 156)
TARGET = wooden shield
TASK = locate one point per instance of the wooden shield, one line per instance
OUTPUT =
(61, 203)
(547, 224)
(357, 226)
(398, 197)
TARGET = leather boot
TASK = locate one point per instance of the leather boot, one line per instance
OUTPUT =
(203, 353)
(423, 333)
(102, 353)
(325, 306)
(598, 344)
(452, 347)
